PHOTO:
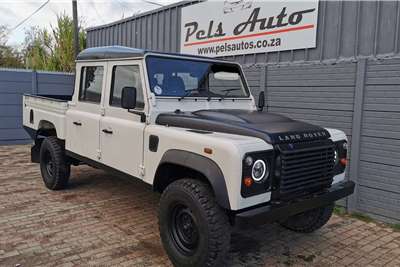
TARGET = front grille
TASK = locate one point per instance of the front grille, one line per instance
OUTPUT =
(305, 168)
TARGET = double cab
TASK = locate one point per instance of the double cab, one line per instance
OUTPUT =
(190, 128)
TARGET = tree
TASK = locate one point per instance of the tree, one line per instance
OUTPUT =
(53, 50)
(9, 56)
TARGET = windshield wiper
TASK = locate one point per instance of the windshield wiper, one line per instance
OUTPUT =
(187, 93)
(227, 91)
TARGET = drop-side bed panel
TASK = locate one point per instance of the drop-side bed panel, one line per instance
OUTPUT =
(38, 111)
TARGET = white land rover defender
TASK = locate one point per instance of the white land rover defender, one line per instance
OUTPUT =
(189, 127)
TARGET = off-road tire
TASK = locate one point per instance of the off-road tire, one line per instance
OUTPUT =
(309, 221)
(210, 220)
(55, 177)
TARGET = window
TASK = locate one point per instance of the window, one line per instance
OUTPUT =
(194, 78)
(91, 84)
(126, 76)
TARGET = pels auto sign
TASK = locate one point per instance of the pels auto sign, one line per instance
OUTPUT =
(236, 27)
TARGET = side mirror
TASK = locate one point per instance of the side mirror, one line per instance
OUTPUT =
(128, 98)
(261, 101)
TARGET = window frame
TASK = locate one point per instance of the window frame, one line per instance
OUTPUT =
(83, 71)
(199, 59)
(111, 94)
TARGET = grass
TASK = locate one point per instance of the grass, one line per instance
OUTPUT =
(340, 211)
(362, 217)
(395, 226)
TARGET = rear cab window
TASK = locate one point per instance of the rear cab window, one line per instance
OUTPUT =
(91, 84)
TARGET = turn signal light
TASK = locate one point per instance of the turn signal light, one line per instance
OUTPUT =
(343, 162)
(247, 181)
(208, 150)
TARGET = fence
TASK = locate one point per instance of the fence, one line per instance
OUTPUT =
(15, 83)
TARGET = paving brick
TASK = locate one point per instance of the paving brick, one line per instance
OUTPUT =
(101, 220)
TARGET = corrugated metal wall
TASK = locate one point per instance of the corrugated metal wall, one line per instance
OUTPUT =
(338, 84)
(362, 98)
(346, 30)
(379, 167)
(15, 83)
(157, 30)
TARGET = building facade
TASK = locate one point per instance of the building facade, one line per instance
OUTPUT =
(350, 80)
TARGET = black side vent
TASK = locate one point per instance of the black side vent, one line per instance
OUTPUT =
(153, 143)
(305, 168)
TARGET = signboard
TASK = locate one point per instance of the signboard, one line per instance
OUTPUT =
(237, 27)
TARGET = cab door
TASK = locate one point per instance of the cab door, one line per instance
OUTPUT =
(84, 112)
(122, 131)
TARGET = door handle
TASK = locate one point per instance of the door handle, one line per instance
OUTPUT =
(77, 123)
(107, 131)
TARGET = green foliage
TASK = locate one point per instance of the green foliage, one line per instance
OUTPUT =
(362, 217)
(395, 226)
(9, 56)
(339, 210)
(53, 50)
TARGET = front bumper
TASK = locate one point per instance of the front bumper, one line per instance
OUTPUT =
(281, 211)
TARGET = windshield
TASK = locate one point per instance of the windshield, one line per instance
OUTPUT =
(192, 78)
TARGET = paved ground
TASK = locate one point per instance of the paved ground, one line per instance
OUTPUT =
(105, 221)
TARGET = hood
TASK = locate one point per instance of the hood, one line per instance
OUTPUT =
(270, 127)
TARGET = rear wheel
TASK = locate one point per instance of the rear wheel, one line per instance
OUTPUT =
(194, 230)
(310, 220)
(53, 164)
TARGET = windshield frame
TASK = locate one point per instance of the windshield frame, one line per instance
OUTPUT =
(198, 59)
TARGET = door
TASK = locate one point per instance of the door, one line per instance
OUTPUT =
(83, 115)
(121, 131)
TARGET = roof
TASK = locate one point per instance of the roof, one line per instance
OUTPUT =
(109, 52)
(119, 52)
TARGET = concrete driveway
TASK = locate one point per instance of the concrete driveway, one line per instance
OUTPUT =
(103, 220)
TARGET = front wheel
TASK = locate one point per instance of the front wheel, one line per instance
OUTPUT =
(310, 220)
(194, 230)
(53, 164)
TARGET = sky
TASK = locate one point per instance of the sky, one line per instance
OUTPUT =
(90, 12)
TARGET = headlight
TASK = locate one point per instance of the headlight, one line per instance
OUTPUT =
(340, 157)
(259, 170)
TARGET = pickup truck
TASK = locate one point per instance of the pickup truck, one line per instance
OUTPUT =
(189, 126)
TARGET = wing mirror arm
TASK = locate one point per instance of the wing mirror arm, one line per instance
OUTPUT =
(128, 102)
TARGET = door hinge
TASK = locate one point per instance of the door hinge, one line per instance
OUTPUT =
(103, 111)
(98, 154)
(141, 170)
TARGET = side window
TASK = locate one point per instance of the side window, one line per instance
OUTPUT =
(126, 76)
(91, 84)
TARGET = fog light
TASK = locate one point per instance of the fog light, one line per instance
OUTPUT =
(248, 161)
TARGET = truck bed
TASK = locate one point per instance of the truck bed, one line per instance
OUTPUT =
(42, 111)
